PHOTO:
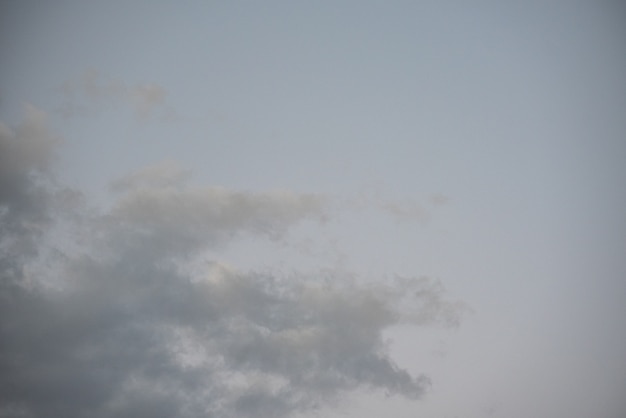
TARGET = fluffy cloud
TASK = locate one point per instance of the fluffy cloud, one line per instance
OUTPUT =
(132, 330)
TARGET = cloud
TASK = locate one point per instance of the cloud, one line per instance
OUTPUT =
(92, 91)
(146, 97)
(438, 199)
(132, 329)
(186, 218)
(163, 174)
(26, 153)
(405, 210)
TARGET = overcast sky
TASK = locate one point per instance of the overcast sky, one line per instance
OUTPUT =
(313, 209)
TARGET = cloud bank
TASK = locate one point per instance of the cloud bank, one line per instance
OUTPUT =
(135, 326)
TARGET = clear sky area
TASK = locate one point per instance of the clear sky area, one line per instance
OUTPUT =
(290, 209)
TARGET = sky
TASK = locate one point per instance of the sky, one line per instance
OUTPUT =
(312, 209)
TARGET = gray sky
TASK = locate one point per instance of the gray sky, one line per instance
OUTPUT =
(304, 209)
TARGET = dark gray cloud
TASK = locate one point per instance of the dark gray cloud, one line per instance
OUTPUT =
(130, 330)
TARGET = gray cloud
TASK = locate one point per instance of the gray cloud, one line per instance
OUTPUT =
(406, 210)
(130, 332)
(92, 91)
(438, 199)
(26, 153)
(163, 174)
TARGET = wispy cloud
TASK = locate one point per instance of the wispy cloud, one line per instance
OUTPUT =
(438, 199)
(163, 174)
(92, 91)
(404, 210)
(129, 331)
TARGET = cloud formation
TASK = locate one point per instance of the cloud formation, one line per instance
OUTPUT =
(25, 201)
(92, 90)
(134, 328)
(407, 210)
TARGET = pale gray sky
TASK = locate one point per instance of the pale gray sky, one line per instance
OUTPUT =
(298, 208)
